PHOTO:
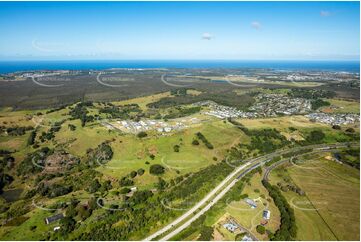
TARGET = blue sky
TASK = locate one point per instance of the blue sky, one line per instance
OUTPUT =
(180, 30)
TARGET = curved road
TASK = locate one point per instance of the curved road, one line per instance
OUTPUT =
(218, 192)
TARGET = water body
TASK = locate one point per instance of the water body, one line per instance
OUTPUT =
(13, 66)
(12, 195)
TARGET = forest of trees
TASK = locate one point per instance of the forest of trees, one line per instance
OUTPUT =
(28, 165)
(311, 93)
(179, 92)
(32, 137)
(317, 103)
(80, 112)
(288, 229)
(315, 137)
(227, 98)
(122, 112)
(182, 112)
(16, 131)
(265, 140)
(100, 155)
(350, 156)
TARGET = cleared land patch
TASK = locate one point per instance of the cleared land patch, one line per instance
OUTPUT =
(143, 101)
(344, 106)
(330, 208)
(281, 122)
(250, 218)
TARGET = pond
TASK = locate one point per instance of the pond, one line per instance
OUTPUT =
(12, 195)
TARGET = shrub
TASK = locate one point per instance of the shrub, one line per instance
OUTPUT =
(94, 186)
(317, 103)
(156, 169)
(124, 190)
(142, 134)
(32, 137)
(140, 171)
(316, 136)
(292, 129)
(133, 174)
(67, 224)
(260, 229)
(126, 182)
(206, 233)
(195, 142)
(350, 130)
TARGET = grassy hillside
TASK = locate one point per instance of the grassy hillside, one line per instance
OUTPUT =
(330, 208)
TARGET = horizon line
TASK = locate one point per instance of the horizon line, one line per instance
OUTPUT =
(213, 60)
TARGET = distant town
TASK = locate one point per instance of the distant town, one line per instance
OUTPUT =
(334, 119)
(273, 105)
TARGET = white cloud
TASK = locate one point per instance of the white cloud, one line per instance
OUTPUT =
(256, 25)
(207, 36)
(324, 13)
(45, 46)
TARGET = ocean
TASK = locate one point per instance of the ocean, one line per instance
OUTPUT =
(13, 66)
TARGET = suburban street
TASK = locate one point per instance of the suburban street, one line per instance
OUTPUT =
(218, 192)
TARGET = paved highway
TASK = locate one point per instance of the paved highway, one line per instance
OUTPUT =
(217, 193)
(198, 205)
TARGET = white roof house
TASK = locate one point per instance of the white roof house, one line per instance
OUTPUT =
(266, 214)
(250, 202)
(230, 227)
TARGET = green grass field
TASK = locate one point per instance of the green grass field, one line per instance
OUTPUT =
(36, 217)
(344, 106)
(131, 153)
(330, 210)
(240, 211)
(250, 218)
(23, 232)
(302, 125)
(281, 123)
